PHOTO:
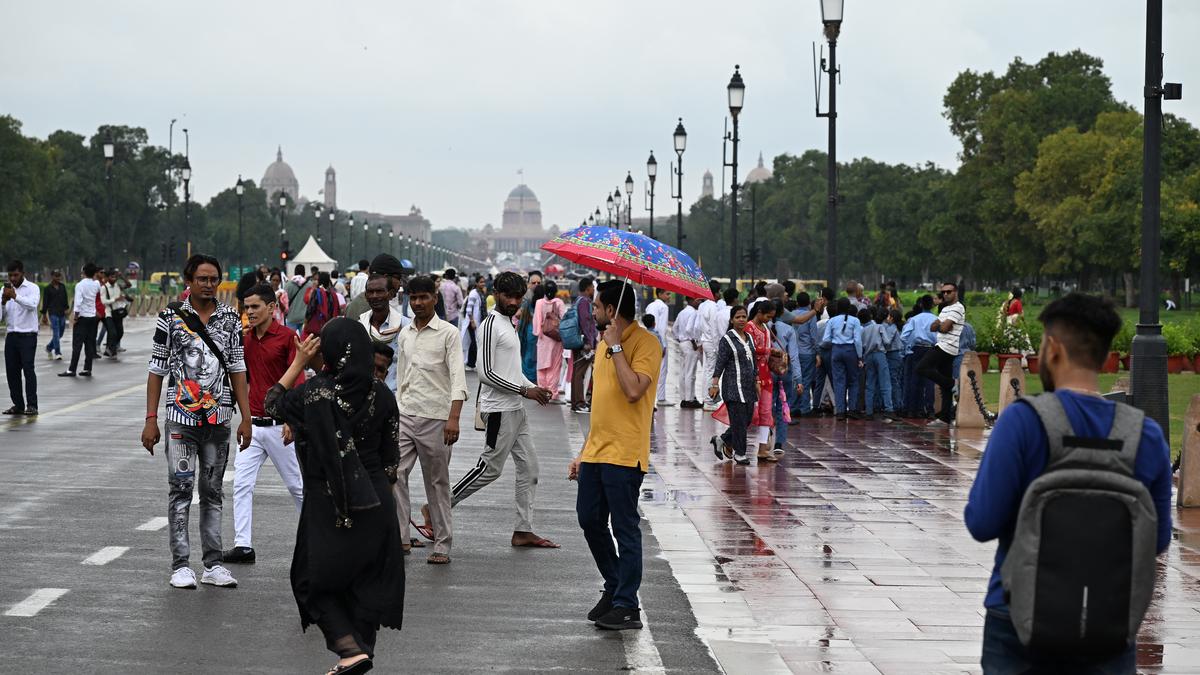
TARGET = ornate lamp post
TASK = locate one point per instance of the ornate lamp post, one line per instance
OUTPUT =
(652, 171)
(110, 152)
(628, 200)
(366, 229)
(379, 237)
(680, 139)
(240, 189)
(831, 17)
(283, 201)
(617, 206)
(736, 91)
(610, 210)
(332, 220)
(350, 244)
(317, 222)
(392, 241)
(186, 174)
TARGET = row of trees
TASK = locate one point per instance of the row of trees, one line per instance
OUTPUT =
(1049, 188)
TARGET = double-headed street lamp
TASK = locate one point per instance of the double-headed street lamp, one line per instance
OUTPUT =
(110, 153)
(736, 91)
(628, 200)
(831, 17)
(240, 189)
(680, 139)
(652, 171)
(186, 174)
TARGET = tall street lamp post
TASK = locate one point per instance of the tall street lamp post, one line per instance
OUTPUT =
(1148, 378)
(736, 91)
(652, 172)
(317, 222)
(332, 222)
(680, 139)
(610, 211)
(186, 174)
(366, 229)
(392, 240)
(110, 152)
(628, 200)
(240, 190)
(617, 206)
(350, 242)
(831, 17)
(379, 237)
(283, 201)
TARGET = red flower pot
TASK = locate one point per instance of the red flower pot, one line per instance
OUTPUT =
(1125, 362)
(1175, 363)
(1112, 363)
(1196, 363)
(1032, 362)
(984, 358)
(1001, 359)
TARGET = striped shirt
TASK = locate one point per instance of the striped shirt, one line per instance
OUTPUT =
(500, 365)
(735, 368)
(198, 391)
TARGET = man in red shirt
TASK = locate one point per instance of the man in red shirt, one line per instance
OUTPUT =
(269, 350)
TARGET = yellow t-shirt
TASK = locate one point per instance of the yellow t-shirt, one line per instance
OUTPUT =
(620, 430)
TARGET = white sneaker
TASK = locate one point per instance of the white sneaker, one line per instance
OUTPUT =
(183, 577)
(710, 407)
(58, 357)
(218, 576)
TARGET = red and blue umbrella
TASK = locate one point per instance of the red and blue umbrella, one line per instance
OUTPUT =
(634, 256)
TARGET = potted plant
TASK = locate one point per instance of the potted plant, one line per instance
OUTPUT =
(1180, 346)
(1006, 344)
(1123, 342)
(1032, 360)
(983, 344)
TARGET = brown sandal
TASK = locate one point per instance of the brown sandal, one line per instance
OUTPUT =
(438, 559)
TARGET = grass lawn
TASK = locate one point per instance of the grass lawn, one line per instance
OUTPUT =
(1180, 388)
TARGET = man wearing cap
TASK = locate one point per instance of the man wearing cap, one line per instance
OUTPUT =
(387, 265)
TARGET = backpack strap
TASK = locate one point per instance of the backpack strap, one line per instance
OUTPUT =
(193, 322)
(1117, 452)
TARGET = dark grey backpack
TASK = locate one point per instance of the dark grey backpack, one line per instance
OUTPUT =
(1080, 571)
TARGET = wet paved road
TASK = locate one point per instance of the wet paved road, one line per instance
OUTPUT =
(848, 556)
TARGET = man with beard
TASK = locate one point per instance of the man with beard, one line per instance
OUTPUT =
(1078, 332)
(502, 388)
(383, 321)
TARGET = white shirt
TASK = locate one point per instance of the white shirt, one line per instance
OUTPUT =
(21, 311)
(430, 372)
(687, 324)
(358, 285)
(709, 310)
(948, 342)
(658, 309)
(500, 365)
(473, 310)
(85, 297)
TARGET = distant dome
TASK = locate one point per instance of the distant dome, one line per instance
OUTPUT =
(760, 173)
(522, 210)
(279, 177)
(522, 191)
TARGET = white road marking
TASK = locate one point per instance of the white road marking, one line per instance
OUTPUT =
(153, 524)
(39, 600)
(105, 555)
(77, 406)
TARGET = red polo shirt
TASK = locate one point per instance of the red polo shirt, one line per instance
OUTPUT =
(267, 359)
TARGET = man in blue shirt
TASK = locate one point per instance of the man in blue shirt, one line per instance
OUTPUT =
(808, 342)
(1078, 332)
(844, 333)
(918, 340)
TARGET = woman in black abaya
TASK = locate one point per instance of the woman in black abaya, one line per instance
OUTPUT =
(348, 566)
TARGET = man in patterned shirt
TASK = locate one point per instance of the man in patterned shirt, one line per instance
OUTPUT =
(201, 389)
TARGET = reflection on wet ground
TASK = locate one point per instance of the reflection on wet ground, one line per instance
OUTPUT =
(850, 555)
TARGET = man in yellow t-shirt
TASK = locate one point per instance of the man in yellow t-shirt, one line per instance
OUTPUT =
(616, 455)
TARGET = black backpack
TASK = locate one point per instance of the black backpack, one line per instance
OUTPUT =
(1080, 571)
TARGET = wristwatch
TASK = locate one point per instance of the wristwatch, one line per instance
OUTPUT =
(616, 349)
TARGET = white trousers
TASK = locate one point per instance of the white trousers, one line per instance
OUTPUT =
(690, 358)
(662, 372)
(708, 366)
(265, 442)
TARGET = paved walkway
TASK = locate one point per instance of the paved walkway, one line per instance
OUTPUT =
(851, 556)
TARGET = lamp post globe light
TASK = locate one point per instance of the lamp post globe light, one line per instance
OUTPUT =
(831, 18)
(680, 140)
(110, 153)
(652, 172)
(379, 236)
(736, 90)
(240, 189)
(186, 174)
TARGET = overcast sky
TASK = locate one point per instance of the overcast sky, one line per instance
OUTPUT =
(440, 103)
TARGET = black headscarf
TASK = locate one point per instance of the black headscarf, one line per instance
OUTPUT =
(337, 402)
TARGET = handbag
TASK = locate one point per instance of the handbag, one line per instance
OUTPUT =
(777, 360)
(550, 323)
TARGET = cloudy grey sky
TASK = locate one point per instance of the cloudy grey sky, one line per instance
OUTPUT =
(440, 103)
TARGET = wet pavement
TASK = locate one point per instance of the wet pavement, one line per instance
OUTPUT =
(850, 555)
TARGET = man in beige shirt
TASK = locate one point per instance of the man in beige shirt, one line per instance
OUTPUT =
(431, 385)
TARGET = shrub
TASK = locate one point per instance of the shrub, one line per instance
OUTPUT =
(1179, 339)
(1123, 341)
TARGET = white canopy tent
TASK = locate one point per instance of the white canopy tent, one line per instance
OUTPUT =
(312, 254)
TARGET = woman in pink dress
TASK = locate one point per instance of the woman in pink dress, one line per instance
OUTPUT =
(549, 347)
(761, 314)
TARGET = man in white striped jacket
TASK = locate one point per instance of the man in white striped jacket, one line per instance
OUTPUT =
(502, 389)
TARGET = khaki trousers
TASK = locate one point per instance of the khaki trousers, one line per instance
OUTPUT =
(422, 438)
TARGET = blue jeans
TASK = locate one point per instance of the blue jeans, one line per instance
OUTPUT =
(879, 381)
(820, 374)
(780, 385)
(895, 360)
(608, 491)
(918, 391)
(1003, 653)
(844, 367)
(808, 377)
(58, 326)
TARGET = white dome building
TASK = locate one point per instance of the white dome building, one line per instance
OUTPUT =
(279, 177)
(760, 173)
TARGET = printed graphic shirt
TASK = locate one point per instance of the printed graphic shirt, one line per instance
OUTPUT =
(197, 390)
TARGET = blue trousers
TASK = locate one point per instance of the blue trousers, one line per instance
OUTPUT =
(879, 381)
(918, 391)
(825, 370)
(610, 492)
(845, 377)
(808, 377)
(58, 326)
(895, 360)
(780, 385)
(1003, 653)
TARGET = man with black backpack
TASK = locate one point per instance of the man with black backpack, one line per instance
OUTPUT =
(295, 288)
(1077, 489)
